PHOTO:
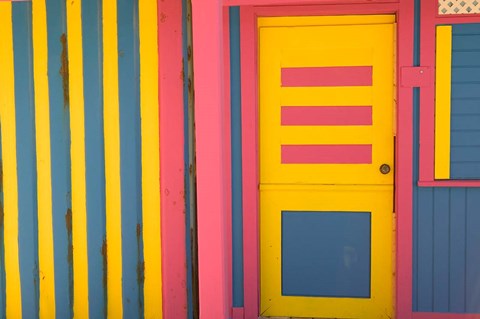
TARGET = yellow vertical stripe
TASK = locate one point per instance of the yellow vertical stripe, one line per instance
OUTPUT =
(77, 149)
(111, 115)
(9, 151)
(44, 186)
(442, 101)
(150, 158)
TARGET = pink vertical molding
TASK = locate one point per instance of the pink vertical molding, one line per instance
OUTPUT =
(172, 159)
(404, 145)
(228, 152)
(248, 42)
(404, 165)
(427, 97)
(211, 189)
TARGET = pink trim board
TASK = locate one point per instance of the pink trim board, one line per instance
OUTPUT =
(404, 165)
(172, 160)
(296, 2)
(214, 294)
(248, 42)
(227, 152)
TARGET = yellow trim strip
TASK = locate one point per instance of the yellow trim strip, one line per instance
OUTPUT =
(44, 174)
(77, 149)
(305, 135)
(9, 151)
(327, 96)
(325, 20)
(442, 104)
(111, 114)
(150, 158)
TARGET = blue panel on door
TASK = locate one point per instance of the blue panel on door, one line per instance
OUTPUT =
(326, 254)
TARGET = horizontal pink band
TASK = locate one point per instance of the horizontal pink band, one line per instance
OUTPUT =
(326, 115)
(327, 76)
(326, 154)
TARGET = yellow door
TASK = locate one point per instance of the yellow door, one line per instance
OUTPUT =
(326, 166)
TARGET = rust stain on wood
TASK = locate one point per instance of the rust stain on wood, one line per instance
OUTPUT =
(68, 222)
(68, 225)
(2, 215)
(1, 176)
(64, 70)
(140, 262)
(105, 261)
(105, 273)
(140, 269)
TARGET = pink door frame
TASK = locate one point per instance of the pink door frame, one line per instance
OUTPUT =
(211, 106)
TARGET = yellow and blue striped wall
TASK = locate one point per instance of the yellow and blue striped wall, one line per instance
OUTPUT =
(80, 210)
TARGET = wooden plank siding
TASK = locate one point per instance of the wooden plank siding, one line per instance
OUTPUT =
(80, 204)
(446, 273)
(465, 102)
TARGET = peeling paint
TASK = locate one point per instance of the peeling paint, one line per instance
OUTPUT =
(2, 215)
(163, 17)
(1, 176)
(68, 225)
(140, 269)
(189, 53)
(64, 70)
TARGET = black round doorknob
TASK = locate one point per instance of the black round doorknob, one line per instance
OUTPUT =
(385, 169)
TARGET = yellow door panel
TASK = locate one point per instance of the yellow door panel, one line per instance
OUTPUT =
(341, 44)
(376, 200)
(326, 147)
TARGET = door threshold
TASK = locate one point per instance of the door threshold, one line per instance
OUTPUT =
(296, 318)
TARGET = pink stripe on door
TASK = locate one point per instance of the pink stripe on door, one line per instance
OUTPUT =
(326, 115)
(327, 76)
(327, 154)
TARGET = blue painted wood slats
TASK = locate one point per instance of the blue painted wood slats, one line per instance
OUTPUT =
(446, 273)
(465, 102)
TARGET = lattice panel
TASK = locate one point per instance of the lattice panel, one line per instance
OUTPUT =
(458, 6)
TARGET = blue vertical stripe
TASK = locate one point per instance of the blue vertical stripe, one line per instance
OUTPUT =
(2, 248)
(425, 249)
(441, 249)
(473, 253)
(236, 120)
(457, 250)
(60, 157)
(130, 157)
(26, 159)
(94, 154)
